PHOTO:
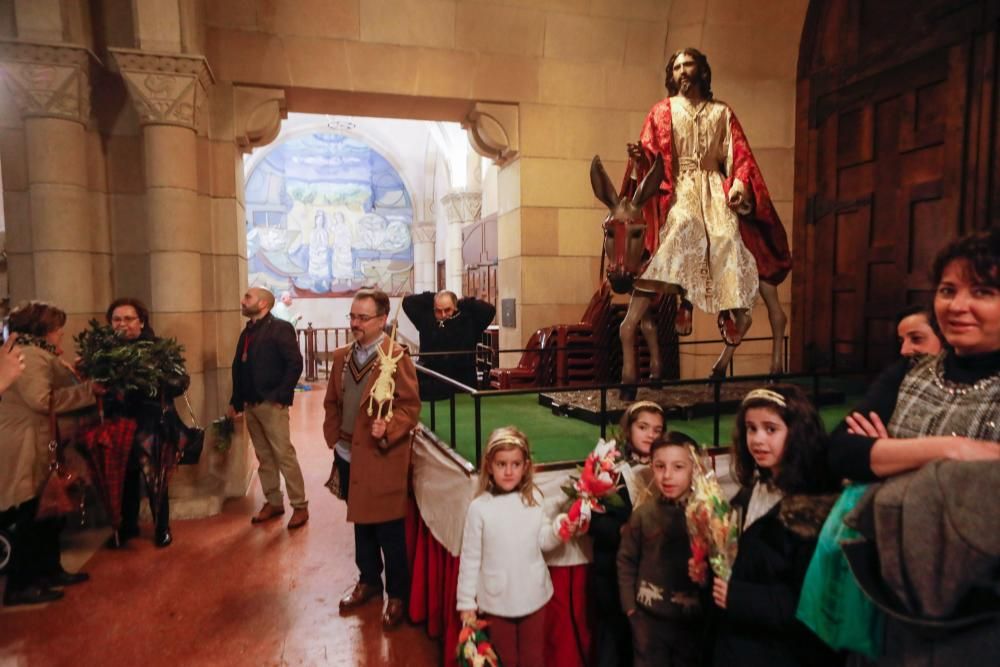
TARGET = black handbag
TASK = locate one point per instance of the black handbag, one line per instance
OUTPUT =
(190, 439)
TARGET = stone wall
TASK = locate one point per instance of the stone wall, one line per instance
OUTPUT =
(130, 201)
(581, 74)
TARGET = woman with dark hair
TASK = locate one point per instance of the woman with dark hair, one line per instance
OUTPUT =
(940, 410)
(786, 492)
(917, 332)
(153, 454)
(945, 406)
(46, 385)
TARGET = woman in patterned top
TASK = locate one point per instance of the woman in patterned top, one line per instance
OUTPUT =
(940, 407)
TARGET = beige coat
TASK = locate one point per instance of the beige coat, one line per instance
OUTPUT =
(379, 477)
(24, 422)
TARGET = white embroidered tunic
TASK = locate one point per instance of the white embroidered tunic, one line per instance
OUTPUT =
(700, 246)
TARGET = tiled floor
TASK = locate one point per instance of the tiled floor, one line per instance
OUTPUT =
(225, 593)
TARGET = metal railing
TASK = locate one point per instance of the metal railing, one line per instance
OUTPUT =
(483, 350)
(478, 396)
(317, 345)
(317, 353)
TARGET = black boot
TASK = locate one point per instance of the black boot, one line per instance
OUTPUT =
(121, 536)
(163, 537)
(63, 578)
(30, 595)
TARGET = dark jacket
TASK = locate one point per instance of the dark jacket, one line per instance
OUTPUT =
(274, 359)
(758, 626)
(653, 562)
(460, 333)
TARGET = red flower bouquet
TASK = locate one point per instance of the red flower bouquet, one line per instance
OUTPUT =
(474, 647)
(593, 491)
(712, 524)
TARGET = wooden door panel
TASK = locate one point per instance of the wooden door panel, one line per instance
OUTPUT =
(883, 139)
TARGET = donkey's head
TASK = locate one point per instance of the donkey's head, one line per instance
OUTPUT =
(625, 228)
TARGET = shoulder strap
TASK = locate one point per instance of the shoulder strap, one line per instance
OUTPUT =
(53, 431)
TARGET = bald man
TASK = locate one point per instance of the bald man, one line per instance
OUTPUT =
(447, 324)
(266, 369)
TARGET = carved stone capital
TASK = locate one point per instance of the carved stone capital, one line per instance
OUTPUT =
(258, 115)
(493, 131)
(166, 89)
(48, 81)
(462, 207)
(424, 232)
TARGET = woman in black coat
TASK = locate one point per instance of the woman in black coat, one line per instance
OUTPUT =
(153, 455)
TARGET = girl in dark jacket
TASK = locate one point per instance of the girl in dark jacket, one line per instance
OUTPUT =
(641, 426)
(779, 459)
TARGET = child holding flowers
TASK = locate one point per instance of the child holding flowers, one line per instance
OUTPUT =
(663, 605)
(641, 426)
(502, 571)
(779, 460)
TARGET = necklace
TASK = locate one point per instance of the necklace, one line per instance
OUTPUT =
(955, 388)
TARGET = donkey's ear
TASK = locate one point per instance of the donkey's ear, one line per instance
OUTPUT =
(650, 184)
(604, 189)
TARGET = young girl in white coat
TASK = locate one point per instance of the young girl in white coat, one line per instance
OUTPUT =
(502, 572)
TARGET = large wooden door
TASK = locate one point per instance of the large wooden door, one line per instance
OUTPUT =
(895, 153)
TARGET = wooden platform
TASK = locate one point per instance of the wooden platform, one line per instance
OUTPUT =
(684, 402)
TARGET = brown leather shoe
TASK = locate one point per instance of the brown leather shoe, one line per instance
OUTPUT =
(393, 614)
(360, 594)
(266, 513)
(299, 517)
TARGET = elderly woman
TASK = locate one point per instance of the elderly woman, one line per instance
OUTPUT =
(11, 363)
(152, 458)
(45, 384)
(938, 408)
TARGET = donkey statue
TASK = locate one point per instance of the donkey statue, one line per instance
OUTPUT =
(627, 257)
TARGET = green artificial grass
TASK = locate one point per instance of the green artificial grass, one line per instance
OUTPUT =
(557, 438)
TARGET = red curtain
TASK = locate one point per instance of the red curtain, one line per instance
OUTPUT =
(432, 599)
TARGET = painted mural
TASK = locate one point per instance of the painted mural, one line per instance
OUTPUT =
(328, 215)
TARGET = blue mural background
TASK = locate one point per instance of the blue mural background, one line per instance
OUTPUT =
(326, 216)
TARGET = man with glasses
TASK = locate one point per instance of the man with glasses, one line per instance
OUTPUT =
(266, 369)
(372, 455)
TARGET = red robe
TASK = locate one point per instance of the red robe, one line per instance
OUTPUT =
(761, 230)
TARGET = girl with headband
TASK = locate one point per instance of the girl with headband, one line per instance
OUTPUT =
(779, 459)
(641, 426)
(502, 571)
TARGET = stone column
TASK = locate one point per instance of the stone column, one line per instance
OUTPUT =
(462, 208)
(424, 234)
(168, 92)
(51, 241)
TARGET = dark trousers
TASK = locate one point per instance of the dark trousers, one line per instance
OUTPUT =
(131, 495)
(661, 642)
(378, 545)
(35, 545)
(612, 636)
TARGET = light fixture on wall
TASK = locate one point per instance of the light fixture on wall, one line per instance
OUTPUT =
(340, 123)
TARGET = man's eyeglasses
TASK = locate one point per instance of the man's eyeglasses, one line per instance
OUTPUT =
(361, 318)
